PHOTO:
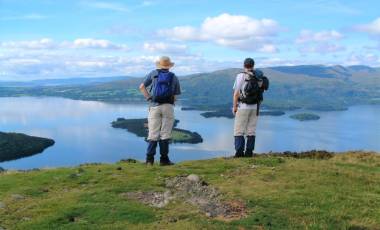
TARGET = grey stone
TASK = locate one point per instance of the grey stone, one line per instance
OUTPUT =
(254, 166)
(17, 197)
(193, 177)
(26, 219)
(2, 205)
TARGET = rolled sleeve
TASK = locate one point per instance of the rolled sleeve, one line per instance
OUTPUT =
(148, 79)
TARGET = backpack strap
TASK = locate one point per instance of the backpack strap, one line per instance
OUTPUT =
(154, 77)
(258, 108)
(247, 73)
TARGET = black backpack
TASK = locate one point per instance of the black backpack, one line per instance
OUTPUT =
(254, 86)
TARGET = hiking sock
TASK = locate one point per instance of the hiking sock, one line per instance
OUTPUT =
(151, 151)
(239, 146)
(250, 146)
(164, 152)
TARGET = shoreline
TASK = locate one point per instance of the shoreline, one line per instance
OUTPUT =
(185, 107)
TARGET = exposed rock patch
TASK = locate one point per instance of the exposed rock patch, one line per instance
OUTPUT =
(191, 189)
(154, 199)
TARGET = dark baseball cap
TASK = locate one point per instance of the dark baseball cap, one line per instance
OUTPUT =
(249, 62)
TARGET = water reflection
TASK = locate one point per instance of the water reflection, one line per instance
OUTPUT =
(83, 133)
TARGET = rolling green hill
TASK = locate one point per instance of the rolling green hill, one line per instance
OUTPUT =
(312, 87)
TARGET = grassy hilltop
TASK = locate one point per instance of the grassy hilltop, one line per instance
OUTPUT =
(266, 192)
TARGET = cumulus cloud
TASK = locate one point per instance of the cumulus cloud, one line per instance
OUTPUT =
(97, 44)
(27, 66)
(322, 42)
(372, 28)
(47, 43)
(236, 31)
(165, 48)
(323, 36)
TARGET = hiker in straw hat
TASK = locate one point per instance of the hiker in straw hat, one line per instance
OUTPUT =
(164, 87)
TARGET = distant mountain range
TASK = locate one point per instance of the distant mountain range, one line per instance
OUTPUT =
(58, 82)
(315, 87)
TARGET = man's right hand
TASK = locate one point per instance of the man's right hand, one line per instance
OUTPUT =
(234, 110)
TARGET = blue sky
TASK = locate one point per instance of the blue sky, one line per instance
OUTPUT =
(85, 38)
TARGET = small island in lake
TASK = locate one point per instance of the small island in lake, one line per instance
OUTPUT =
(305, 117)
(16, 145)
(140, 128)
(227, 113)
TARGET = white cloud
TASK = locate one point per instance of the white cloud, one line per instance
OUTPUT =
(325, 6)
(323, 42)
(321, 48)
(268, 48)
(372, 28)
(32, 16)
(32, 65)
(147, 3)
(113, 6)
(97, 44)
(323, 36)
(182, 33)
(236, 31)
(165, 48)
(368, 59)
(47, 43)
(44, 43)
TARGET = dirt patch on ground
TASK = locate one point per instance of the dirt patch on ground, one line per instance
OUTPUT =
(191, 189)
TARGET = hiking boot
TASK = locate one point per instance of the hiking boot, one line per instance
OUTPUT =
(238, 154)
(250, 146)
(248, 153)
(149, 160)
(150, 152)
(239, 146)
(164, 161)
(164, 152)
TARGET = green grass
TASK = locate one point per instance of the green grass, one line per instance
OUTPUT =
(280, 193)
(180, 136)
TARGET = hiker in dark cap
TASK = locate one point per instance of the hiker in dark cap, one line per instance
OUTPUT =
(248, 94)
(161, 95)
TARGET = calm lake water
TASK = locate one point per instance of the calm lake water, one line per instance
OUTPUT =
(83, 133)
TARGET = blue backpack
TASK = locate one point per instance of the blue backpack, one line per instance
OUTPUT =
(163, 87)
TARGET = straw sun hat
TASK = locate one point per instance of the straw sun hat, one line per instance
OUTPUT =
(164, 63)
